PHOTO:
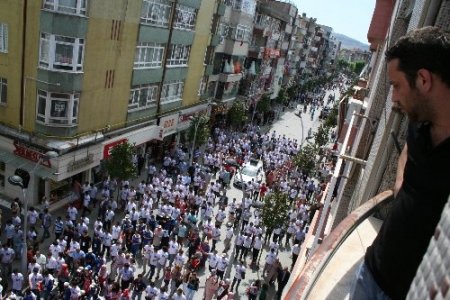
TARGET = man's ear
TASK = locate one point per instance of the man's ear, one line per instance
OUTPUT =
(424, 81)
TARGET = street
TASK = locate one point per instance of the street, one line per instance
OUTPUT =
(289, 124)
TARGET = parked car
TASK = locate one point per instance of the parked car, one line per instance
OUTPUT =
(251, 170)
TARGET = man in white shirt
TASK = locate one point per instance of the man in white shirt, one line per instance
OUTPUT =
(239, 274)
(295, 252)
(270, 259)
(17, 282)
(222, 266)
(173, 249)
(257, 246)
(34, 280)
(213, 260)
(126, 275)
(151, 291)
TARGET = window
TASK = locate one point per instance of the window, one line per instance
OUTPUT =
(246, 6)
(185, 17)
(3, 90)
(142, 96)
(223, 31)
(156, 12)
(3, 37)
(148, 55)
(172, 91)
(77, 7)
(242, 33)
(61, 53)
(57, 108)
(178, 55)
(203, 85)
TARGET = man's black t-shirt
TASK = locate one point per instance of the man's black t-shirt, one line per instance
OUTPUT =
(404, 236)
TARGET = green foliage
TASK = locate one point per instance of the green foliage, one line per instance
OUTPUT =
(292, 91)
(321, 136)
(263, 104)
(237, 114)
(358, 66)
(282, 97)
(305, 159)
(120, 163)
(275, 210)
(331, 120)
(203, 130)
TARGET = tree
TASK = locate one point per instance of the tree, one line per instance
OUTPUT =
(120, 163)
(203, 130)
(358, 66)
(275, 210)
(237, 114)
(263, 104)
(305, 159)
(331, 120)
(282, 97)
(321, 136)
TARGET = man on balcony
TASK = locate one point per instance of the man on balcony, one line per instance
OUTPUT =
(419, 72)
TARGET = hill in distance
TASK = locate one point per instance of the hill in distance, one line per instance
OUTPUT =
(349, 43)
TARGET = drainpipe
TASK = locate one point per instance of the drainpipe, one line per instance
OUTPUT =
(330, 187)
(24, 39)
(166, 52)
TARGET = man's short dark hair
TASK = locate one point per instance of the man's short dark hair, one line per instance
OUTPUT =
(424, 48)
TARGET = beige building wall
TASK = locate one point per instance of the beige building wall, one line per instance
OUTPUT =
(196, 60)
(108, 63)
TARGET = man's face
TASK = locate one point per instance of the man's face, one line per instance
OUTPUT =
(409, 100)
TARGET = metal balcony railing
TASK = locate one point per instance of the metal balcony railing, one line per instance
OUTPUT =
(306, 284)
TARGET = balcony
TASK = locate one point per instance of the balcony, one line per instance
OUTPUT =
(230, 77)
(331, 269)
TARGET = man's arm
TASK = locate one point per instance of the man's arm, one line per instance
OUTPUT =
(400, 169)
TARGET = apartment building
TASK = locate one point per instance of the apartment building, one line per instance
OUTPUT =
(79, 77)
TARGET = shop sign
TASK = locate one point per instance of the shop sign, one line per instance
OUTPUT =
(108, 147)
(169, 124)
(271, 53)
(184, 120)
(78, 164)
(30, 154)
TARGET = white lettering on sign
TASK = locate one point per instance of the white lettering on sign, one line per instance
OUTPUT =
(169, 124)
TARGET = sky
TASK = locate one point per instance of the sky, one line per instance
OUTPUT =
(349, 17)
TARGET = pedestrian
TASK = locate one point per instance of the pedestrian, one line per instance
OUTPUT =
(418, 68)
(239, 274)
(283, 278)
(192, 286)
(211, 285)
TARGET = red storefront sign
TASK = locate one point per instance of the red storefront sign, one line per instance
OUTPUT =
(271, 53)
(108, 147)
(30, 154)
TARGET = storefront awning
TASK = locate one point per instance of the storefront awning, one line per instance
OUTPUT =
(19, 162)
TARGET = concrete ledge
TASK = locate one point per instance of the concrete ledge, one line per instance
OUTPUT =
(301, 286)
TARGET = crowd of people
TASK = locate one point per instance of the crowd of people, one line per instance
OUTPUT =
(150, 241)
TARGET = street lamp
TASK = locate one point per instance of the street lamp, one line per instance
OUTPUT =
(16, 180)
